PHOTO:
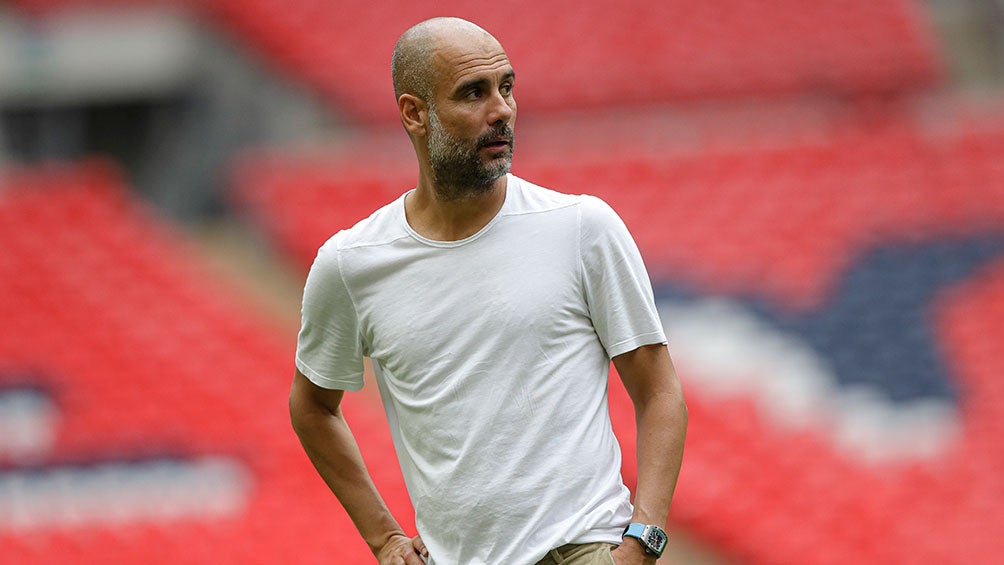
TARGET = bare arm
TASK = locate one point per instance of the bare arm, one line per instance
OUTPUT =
(318, 421)
(661, 418)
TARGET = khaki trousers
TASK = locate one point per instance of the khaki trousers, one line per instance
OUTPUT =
(580, 554)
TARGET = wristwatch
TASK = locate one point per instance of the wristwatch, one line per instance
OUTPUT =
(652, 538)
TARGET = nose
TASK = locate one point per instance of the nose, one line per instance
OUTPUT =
(502, 109)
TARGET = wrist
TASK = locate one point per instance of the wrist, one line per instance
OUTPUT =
(631, 551)
(378, 543)
(650, 538)
(632, 547)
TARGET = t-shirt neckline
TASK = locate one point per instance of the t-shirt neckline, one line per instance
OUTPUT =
(510, 184)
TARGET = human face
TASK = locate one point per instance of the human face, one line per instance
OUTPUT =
(465, 167)
(470, 135)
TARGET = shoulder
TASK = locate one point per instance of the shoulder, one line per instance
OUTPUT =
(595, 210)
(592, 214)
(383, 226)
(528, 196)
(337, 257)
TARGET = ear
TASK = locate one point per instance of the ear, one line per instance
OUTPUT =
(414, 114)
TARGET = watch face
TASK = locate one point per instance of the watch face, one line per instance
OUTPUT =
(656, 540)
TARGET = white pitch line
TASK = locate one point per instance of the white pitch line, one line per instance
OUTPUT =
(727, 351)
(117, 493)
(34, 497)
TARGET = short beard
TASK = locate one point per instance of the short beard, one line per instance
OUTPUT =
(456, 165)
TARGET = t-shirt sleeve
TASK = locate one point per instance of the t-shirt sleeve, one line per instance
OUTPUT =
(329, 349)
(617, 286)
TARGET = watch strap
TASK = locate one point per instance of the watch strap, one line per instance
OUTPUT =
(634, 530)
(652, 538)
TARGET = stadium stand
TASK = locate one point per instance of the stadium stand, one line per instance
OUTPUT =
(575, 55)
(828, 257)
(606, 53)
(845, 251)
(814, 187)
(170, 439)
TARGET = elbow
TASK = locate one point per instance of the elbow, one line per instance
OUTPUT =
(295, 413)
(680, 405)
(310, 406)
(667, 410)
(684, 412)
(300, 410)
(674, 406)
(304, 418)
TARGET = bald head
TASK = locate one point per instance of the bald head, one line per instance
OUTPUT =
(413, 69)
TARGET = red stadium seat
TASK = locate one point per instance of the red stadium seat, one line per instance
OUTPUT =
(578, 56)
(777, 217)
(148, 357)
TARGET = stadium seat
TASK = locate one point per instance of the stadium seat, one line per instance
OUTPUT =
(599, 54)
(148, 356)
(838, 239)
(766, 156)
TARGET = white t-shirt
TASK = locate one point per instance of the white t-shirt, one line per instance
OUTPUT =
(492, 356)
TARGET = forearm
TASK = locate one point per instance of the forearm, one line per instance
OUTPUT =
(662, 428)
(332, 449)
(650, 378)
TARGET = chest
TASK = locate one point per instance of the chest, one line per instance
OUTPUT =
(515, 291)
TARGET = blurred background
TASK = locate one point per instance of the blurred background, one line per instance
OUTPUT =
(817, 188)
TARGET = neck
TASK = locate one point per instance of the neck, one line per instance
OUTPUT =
(445, 215)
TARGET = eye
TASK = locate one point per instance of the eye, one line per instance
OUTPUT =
(474, 93)
(506, 89)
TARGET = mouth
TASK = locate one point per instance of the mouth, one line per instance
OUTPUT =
(498, 144)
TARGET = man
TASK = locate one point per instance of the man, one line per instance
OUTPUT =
(491, 309)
